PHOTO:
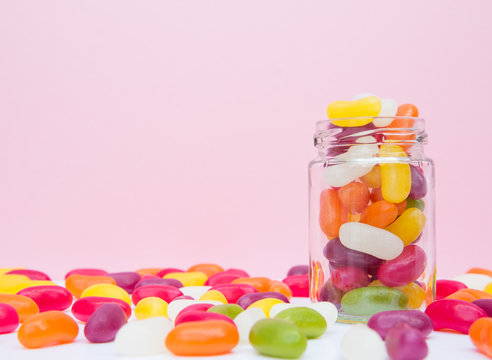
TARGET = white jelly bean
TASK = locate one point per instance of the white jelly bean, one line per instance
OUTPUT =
(195, 291)
(474, 281)
(143, 337)
(175, 307)
(245, 321)
(362, 343)
(388, 109)
(325, 309)
(370, 240)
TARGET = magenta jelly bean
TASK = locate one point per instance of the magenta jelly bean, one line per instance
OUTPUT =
(233, 292)
(165, 292)
(104, 323)
(222, 277)
(485, 305)
(159, 281)
(196, 307)
(403, 269)
(90, 272)
(49, 297)
(382, 322)
(167, 271)
(347, 278)
(298, 270)
(31, 274)
(419, 185)
(246, 300)
(239, 272)
(188, 316)
(454, 314)
(83, 308)
(126, 280)
(406, 343)
(337, 253)
(299, 285)
(9, 320)
(349, 135)
(444, 288)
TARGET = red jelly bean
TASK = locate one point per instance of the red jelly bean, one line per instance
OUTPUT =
(444, 288)
(166, 271)
(189, 316)
(31, 274)
(126, 280)
(165, 292)
(246, 300)
(222, 278)
(9, 320)
(239, 272)
(90, 272)
(299, 284)
(405, 268)
(196, 307)
(83, 308)
(49, 297)
(347, 278)
(233, 292)
(453, 314)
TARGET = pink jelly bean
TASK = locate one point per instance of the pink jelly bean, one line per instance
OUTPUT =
(298, 270)
(104, 323)
(126, 280)
(444, 288)
(485, 305)
(165, 292)
(49, 297)
(31, 274)
(83, 308)
(233, 292)
(159, 281)
(454, 314)
(406, 343)
(419, 185)
(347, 278)
(246, 300)
(222, 277)
(405, 268)
(9, 320)
(91, 272)
(382, 322)
(299, 285)
(167, 271)
(239, 272)
(188, 316)
(149, 276)
(196, 307)
(184, 297)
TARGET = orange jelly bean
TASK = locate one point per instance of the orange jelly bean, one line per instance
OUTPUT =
(354, 197)
(401, 206)
(372, 178)
(48, 328)
(261, 284)
(404, 123)
(198, 338)
(481, 335)
(24, 305)
(207, 269)
(280, 287)
(376, 195)
(379, 214)
(148, 271)
(331, 213)
(469, 295)
(480, 271)
(76, 284)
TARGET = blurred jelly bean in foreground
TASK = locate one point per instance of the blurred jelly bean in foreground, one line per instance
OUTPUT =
(207, 269)
(384, 321)
(408, 226)
(246, 300)
(419, 185)
(245, 321)
(474, 281)
(9, 320)
(143, 337)
(104, 323)
(150, 307)
(453, 314)
(362, 343)
(406, 343)
(31, 274)
(298, 284)
(165, 292)
(445, 288)
(90, 272)
(371, 300)
(359, 111)
(481, 335)
(24, 306)
(309, 321)
(49, 297)
(403, 269)
(83, 308)
(298, 270)
(107, 290)
(485, 305)
(126, 280)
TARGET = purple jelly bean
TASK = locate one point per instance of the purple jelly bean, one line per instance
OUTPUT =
(298, 270)
(246, 300)
(419, 185)
(406, 343)
(485, 305)
(104, 323)
(349, 135)
(335, 252)
(330, 293)
(169, 282)
(126, 280)
(382, 322)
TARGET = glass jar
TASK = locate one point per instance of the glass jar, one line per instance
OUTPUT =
(371, 216)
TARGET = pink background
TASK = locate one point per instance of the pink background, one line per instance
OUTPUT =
(165, 133)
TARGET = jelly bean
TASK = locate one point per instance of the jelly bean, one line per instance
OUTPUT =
(326, 309)
(143, 337)
(405, 268)
(371, 240)
(371, 300)
(214, 295)
(481, 335)
(353, 113)
(265, 305)
(6, 270)
(104, 323)
(233, 292)
(404, 121)
(10, 283)
(166, 271)
(474, 281)
(372, 178)
(198, 306)
(239, 272)
(416, 294)
(280, 287)
(9, 320)
(193, 315)
(346, 137)
(88, 272)
(195, 278)
(126, 280)
(277, 338)
(76, 283)
(488, 288)
(31, 274)
(447, 287)
(335, 252)
(107, 290)
(405, 110)
(354, 197)
(259, 283)
(419, 184)
(298, 270)
(182, 297)
(408, 226)
(388, 109)
(229, 310)
(194, 291)
(402, 206)
(299, 285)
(469, 295)
(199, 338)
(222, 278)
(32, 283)
(485, 305)
(207, 269)
(245, 321)
(309, 321)
(453, 314)
(83, 308)
(148, 276)
(176, 306)
(482, 271)
(347, 278)
(150, 307)
(169, 282)
(376, 195)
(406, 343)
(165, 292)
(361, 343)
(331, 213)
(246, 300)
(382, 322)
(149, 271)
(49, 297)
(419, 204)
(395, 176)
(379, 214)
(24, 306)
(330, 293)
(48, 328)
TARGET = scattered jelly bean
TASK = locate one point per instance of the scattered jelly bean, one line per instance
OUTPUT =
(347, 278)
(408, 226)
(176, 306)
(379, 214)
(277, 338)
(104, 323)
(31, 274)
(395, 176)
(309, 321)
(77, 283)
(89, 272)
(382, 322)
(107, 290)
(10, 283)
(233, 292)
(49, 297)
(229, 310)
(165, 292)
(143, 337)
(324, 308)
(195, 278)
(207, 269)
(48, 328)
(406, 343)
(239, 272)
(470, 295)
(373, 177)
(195, 291)
(24, 306)
(150, 307)
(32, 283)
(9, 320)
(259, 283)
(481, 335)
(222, 278)
(403, 269)
(126, 280)
(166, 271)
(214, 295)
(149, 271)
(280, 287)
(246, 300)
(482, 271)
(353, 113)
(419, 185)
(419, 204)
(184, 297)
(298, 284)
(265, 305)
(194, 315)
(371, 300)
(6, 270)
(474, 281)
(245, 321)
(354, 197)
(331, 214)
(169, 282)
(453, 314)
(371, 240)
(485, 305)
(445, 288)
(198, 306)
(298, 270)
(83, 308)
(362, 343)
(336, 253)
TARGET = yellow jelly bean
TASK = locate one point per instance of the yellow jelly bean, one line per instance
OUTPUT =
(32, 283)
(355, 110)
(415, 293)
(192, 278)
(6, 270)
(396, 179)
(107, 290)
(265, 305)
(150, 307)
(488, 288)
(408, 226)
(214, 295)
(9, 283)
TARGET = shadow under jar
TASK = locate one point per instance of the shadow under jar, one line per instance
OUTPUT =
(371, 217)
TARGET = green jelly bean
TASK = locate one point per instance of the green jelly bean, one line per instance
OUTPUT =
(419, 204)
(373, 299)
(277, 338)
(309, 321)
(230, 310)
